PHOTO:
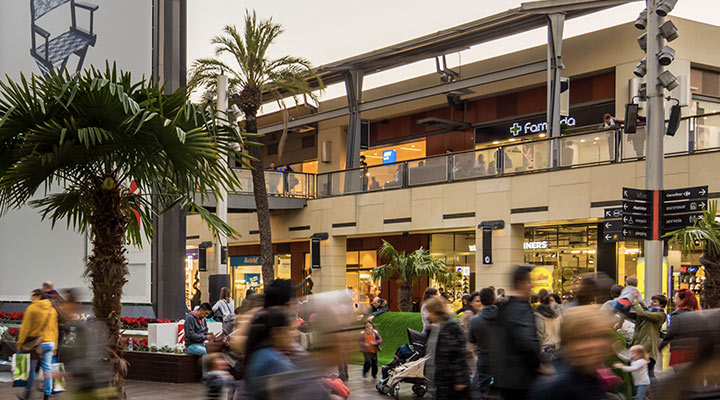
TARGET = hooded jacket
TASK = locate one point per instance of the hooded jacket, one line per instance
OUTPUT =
(548, 323)
(514, 362)
(484, 331)
(40, 319)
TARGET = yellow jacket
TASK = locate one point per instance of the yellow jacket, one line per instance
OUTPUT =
(40, 319)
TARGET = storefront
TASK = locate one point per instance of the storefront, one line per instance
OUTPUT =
(457, 250)
(358, 278)
(192, 275)
(246, 273)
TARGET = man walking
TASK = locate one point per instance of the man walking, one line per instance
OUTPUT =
(518, 350)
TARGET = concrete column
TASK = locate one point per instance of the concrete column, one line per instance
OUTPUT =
(337, 137)
(332, 259)
(507, 253)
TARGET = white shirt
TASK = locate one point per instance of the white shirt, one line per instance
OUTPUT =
(639, 371)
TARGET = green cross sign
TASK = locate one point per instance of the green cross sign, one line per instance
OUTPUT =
(515, 129)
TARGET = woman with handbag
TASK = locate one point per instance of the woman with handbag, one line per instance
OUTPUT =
(224, 306)
(38, 336)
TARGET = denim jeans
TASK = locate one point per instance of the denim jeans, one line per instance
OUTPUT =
(197, 349)
(641, 390)
(46, 366)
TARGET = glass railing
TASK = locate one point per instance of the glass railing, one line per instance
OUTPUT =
(695, 133)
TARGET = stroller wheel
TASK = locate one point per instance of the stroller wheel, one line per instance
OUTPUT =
(397, 392)
(382, 388)
(419, 389)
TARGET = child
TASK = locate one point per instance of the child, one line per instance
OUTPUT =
(370, 341)
(638, 368)
(217, 379)
(629, 294)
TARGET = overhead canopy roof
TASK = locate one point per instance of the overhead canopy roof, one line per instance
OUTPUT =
(528, 16)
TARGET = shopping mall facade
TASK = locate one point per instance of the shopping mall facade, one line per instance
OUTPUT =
(440, 167)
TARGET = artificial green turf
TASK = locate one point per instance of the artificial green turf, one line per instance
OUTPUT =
(392, 326)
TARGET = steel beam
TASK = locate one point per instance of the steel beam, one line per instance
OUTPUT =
(522, 70)
(556, 24)
(353, 90)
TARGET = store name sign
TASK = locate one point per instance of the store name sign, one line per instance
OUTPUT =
(535, 245)
(518, 130)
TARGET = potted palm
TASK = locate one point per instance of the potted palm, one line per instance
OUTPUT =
(409, 269)
(704, 234)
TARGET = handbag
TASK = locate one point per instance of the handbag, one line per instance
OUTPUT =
(21, 369)
(33, 345)
(218, 344)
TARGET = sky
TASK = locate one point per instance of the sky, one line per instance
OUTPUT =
(324, 31)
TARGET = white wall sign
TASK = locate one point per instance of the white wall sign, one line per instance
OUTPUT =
(529, 127)
(535, 245)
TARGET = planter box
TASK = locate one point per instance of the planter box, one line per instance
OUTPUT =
(163, 367)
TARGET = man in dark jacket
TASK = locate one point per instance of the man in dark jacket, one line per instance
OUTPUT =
(484, 331)
(377, 307)
(516, 359)
(196, 330)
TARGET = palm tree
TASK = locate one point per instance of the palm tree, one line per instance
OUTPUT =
(703, 235)
(71, 147)
(255, 74)
(410, 268)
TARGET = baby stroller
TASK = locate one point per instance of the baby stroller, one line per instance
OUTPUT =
(408, 366)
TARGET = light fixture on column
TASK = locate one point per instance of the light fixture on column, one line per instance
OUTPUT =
(641, 68)
(641, 21)
(668, 80)
(663, 7)
(666, 55)
(642, 41)
(669, 31)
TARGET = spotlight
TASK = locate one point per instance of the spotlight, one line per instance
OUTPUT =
(669, 31)
(642, 41)
(666, 55)
(664, 7)
(641, 68)
(668, 80)
(641, 21)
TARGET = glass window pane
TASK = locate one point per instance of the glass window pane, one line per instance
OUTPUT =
(427, 171)
(475, 164)
(385, 177)
(586, 149)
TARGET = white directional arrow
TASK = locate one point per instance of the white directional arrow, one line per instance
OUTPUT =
(625, 206)
(702, 204)
(687, 193)
(625, 193)
(608, 237)
(702, 192)
(607, 225)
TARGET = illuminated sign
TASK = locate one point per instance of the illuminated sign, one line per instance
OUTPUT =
(535, 245)
(389, 156)
(541, 278)
(472, 247)
(529, 128)
(465, 271)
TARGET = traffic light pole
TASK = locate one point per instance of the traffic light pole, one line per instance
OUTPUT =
(654, 152)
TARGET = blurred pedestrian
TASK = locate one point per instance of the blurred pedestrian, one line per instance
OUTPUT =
(370, 341)
(500, 295)
(586, 338)
(647, 328)
(615, 291)
(217, 380)
(429, 292)
(450, 375)
(39, 337)
(681, 348)
(638, 368)
(269, 337)
(377, 307)
(519, 350)
(196, 330)
(465, 304)
(484, 332)
(548, 322)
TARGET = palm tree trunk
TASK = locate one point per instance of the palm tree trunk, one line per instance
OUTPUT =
(261, 204)
(405, 297)
(107, 268)
(712, 281)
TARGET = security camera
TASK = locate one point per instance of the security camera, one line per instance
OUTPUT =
(668, 80)
(641, 21)
(669, 31)
(642, 41)
(666, 55)
(641, 68)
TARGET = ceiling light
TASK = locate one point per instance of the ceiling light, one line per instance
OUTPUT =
(664, 7)
(641, 68)
(641, 21)
(512, 139)
(597, 138)
(582, 140)
(496, 142)
(541, 135)
(669, 31)
(666, 55)
(668, 80)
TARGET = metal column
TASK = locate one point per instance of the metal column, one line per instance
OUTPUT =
(353, 88)
(556, 24)
(654, 154)
(222, 202)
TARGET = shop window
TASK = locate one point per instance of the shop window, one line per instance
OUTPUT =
(457, 250)
(246, 273)
(358, 276)
(401, 152)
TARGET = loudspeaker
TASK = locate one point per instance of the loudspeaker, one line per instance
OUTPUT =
(674, 121)
(202, 259)
(631, 116)
(564, 96)
(364, 134)
(326, 151)
(315, 253)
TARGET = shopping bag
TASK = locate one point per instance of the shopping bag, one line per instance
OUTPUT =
(58, 373)
(21, 369)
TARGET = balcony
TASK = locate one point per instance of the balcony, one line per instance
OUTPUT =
(699, 133)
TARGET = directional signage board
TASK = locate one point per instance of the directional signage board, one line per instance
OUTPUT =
(612, 237)
(615, 212)
(684, 206)
(631, 207)
(635, 194)
(636, 220)
(678, 221)
(697, 192)
(612, 226)
(635, 233)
